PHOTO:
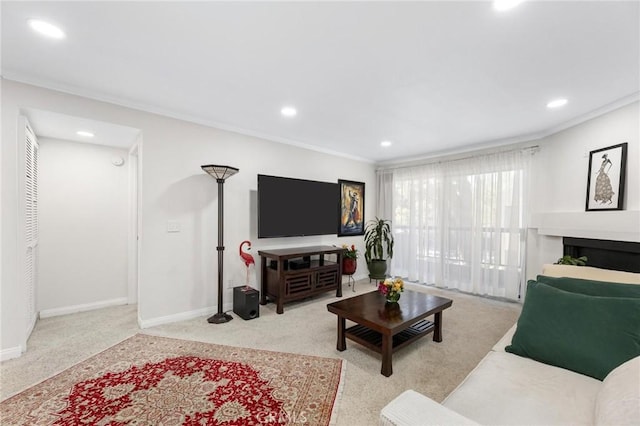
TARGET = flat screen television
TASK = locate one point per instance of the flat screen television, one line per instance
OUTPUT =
(290, 207)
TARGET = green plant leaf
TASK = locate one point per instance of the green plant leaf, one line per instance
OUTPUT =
(568, 260)
(378, 240)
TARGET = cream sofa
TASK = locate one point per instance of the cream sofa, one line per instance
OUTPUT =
(507, 389)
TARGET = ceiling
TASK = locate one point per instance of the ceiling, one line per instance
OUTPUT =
(61, 126)
(431, 77)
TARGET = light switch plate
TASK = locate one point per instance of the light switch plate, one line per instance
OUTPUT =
(173, 226)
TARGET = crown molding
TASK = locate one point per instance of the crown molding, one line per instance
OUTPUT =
(479, 146)
(490, 146)
(148, 108)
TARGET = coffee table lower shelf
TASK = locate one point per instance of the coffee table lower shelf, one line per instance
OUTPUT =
(373, 340)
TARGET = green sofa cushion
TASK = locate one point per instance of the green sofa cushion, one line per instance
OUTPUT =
(590, 335)
(591, 287)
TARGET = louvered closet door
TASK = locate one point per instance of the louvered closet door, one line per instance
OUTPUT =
(31, 222)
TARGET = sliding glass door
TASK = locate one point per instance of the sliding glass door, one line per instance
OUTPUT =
(460, 224)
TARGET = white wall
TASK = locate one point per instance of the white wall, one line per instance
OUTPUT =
(178, 273)
(175, 188)
(560, 185)
(83, 226)
(14, 294)
(4, 352)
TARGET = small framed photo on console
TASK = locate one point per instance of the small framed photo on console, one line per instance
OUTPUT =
(605, 182)
(351, 208)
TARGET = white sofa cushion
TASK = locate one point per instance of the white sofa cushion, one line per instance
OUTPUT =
(413, 408)
(618, 402)
(590, 273)
(505, 389)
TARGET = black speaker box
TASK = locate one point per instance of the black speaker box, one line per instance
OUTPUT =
(246, 302)
(273, 264)
(299, 264)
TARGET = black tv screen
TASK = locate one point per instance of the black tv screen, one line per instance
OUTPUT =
(296, 207)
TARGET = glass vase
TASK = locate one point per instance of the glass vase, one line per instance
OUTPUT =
(393, 297)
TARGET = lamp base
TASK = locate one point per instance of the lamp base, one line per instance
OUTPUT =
(219, 318)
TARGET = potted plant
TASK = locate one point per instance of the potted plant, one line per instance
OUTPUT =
(378, 243)
(350, 259)
(575, 261)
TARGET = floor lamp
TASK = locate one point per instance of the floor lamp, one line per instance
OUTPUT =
(220, 173)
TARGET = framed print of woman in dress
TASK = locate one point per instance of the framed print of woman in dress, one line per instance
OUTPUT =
(605, 182)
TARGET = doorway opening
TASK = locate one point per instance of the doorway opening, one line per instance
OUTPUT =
(88, 213)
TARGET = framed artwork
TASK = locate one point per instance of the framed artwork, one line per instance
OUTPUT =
(351, 208)
(605, 182)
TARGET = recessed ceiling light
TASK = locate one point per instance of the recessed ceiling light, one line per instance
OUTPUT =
(85, 133)
(46, 28)
(385, 143)
(288, 111)
(502, 5)
(557, 103)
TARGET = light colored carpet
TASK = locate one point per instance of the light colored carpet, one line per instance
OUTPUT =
(470, 328)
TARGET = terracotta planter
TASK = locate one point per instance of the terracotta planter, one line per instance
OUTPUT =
(349, 266)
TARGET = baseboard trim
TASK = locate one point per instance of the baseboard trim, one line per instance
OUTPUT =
(357, 277)
(82, 308)
(182, 316)
(361, 276)
(10, 353)
(32, 325)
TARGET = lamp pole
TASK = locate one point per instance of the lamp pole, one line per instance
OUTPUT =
(220, 173)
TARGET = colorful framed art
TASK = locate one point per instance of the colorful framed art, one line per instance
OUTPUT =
(351, 208)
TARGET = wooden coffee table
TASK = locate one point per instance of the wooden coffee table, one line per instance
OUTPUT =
(384, 329)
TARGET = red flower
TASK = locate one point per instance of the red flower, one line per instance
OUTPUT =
(383, 288)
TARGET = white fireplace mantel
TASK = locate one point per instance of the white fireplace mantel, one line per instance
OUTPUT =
(619, 225)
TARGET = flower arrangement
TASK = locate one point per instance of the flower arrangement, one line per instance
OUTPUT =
(350, 252)
(391, 288)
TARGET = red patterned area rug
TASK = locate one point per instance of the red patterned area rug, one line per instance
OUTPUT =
(148, 380)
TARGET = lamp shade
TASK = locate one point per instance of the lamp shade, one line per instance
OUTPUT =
(220, 172)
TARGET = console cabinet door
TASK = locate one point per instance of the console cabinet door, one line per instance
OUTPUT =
(298, 284)
(326, 279)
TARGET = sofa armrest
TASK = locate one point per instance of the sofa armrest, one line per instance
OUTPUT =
(413, 408)
(505, 340)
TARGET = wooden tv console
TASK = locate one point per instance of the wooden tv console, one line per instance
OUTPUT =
(295, 273)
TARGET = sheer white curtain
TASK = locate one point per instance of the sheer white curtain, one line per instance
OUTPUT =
(460, 224)
(384, 206)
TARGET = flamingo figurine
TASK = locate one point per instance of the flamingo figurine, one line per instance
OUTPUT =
(247, 259)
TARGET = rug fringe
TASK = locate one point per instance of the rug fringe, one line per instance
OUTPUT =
(334, 411)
